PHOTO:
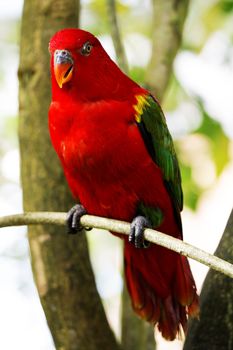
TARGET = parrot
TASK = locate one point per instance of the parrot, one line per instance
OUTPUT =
(119, 161)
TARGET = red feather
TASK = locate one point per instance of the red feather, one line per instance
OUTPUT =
(106, 163)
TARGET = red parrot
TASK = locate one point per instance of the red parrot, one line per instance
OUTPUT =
(119, 161)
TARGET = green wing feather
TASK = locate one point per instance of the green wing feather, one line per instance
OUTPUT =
(154, 130)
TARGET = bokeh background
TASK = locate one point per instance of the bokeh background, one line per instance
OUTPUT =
(199, 108)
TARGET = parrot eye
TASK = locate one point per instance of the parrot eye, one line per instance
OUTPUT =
(86, 49)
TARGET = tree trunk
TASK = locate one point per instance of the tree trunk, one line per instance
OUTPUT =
(136, 333)
(116, 37)
(214, 330)
(60, 263)
(168, 21)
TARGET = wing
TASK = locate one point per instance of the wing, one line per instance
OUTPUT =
(152, 125)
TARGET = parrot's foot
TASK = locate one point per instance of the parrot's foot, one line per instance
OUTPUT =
(136, 235)
(73, 218)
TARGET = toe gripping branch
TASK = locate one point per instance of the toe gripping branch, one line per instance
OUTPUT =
(73, 219)
(136, 235)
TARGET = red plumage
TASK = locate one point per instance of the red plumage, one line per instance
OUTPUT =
(108, 168)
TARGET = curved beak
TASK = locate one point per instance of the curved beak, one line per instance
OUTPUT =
(63, 66)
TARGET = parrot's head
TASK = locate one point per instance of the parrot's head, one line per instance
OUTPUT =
(81, 67)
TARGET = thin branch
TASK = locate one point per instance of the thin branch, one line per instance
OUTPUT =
(168, 19)
(116, 37)
(122, 227)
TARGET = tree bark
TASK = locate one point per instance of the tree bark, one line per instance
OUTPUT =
(168, 22)
(116, 37)
(214, 330)
(60, 263)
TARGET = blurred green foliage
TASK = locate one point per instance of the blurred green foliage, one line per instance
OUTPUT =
(191, 190)
(218, 141)
(216, 148)
(226, 5)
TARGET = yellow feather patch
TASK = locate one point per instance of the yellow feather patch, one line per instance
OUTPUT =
(139, 106)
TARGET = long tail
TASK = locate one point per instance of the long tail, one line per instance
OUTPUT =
(161, 287)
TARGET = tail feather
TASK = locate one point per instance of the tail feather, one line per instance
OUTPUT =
(184, 288)
(165, 299)
(143, 299)
(168, 322)
(193, 308)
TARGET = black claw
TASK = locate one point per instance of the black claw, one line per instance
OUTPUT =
(73, 218)
(136, 235)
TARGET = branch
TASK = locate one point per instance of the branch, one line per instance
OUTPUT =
(122, 227)
(168, 20)
(116, 37)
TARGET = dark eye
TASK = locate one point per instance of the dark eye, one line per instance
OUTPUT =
(86, 49)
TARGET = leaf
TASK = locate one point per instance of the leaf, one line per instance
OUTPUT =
(219, 142)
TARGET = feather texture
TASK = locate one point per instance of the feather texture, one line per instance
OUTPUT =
(156, 135)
